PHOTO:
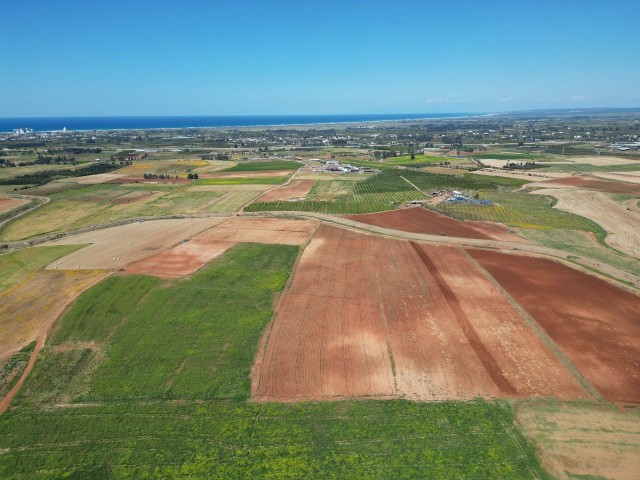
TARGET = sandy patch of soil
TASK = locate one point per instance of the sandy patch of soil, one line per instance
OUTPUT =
(7, 204)
(372, 317)
(601, 160)
(422, 220)
(583, 439)
(627, 188)
(295, 189)
(631, 177)
(594, 323)
(181, 260)
(97, 178)
(115, 247)
(622, 225)
(534, 175)
(260, 230)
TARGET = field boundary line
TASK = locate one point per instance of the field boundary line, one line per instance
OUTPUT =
(43, 201)
(592, 391)
(256, 367)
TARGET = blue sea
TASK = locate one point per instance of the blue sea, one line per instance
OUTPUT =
(47, 124)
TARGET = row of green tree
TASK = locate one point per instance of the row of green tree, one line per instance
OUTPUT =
(40, 178)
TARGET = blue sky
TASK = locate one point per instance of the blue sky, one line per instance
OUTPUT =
(66, 58)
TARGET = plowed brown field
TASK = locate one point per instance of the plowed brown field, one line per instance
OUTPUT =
(372, 317)
(596, 324)
(422, 220)
(7, 204)
(295, 189)
(610, 186)
(181, 260)
(260, 230)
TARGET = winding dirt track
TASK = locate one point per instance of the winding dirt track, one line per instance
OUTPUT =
(51, 316)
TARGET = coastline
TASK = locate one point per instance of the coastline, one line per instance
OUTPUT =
(346, 122)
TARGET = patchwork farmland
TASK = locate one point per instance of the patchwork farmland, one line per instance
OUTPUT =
(264, 318)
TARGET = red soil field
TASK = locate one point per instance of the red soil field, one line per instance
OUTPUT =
(295, 189)
(7, 204)
(596, 324)
(367, 316)
(268, 174)
(422, 220)
(600, 185)
(181, 260)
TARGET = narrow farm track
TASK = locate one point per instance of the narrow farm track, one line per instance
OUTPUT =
(42, 337)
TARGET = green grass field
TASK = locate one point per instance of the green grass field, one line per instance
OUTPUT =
(262, 166)
(145, 378)
(241, 181)
(221, 439)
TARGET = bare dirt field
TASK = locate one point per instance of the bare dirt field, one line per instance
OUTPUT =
(181, 260)
(622, 225)
(422, 220)
(267, 174)
(572, 439)
(594, 323)
(25, 307)
(260, 230)
(113, 248)
(531, 176)
(97, 178)
(7, 204)
(600, 160)
(295, 189)
(627, 188)
(367, 316)
(631, 177)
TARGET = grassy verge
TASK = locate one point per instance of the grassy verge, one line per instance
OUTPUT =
(12, 369)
